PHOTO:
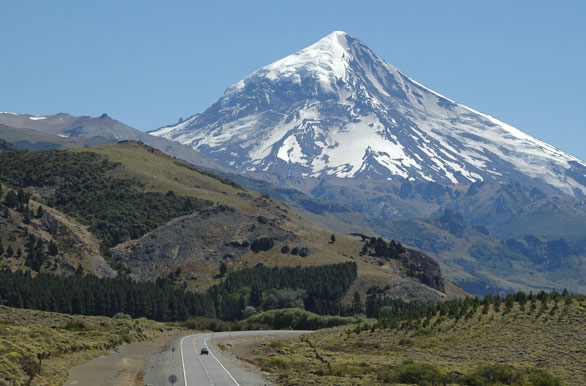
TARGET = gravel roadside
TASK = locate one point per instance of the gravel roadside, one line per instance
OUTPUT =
(120, 368)
(165, 367)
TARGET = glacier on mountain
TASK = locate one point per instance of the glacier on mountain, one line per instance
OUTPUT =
(337, 109)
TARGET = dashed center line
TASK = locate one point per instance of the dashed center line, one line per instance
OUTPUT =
(200, 361)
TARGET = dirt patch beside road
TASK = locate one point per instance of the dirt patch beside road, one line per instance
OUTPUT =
(125, 367)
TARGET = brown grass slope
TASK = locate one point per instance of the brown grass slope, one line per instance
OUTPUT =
(43, 346)
(551, 338)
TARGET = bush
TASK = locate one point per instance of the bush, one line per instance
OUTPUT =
(422, 374)
(276, 363)
(298, 319)
(493, 375)
(262, 244)
(126, 338)
(122, 315)
(213, 324)
(76, 325)
(540, 377)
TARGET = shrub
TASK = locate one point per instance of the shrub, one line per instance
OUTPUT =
(422, 374)
(76, 325)
(422, 332)
(276, 363)
(540, 377)
(277, 344)
(262, 244)
(298, 319)
(213, 324)
(122, 315)
(493, 374)
(125, 338)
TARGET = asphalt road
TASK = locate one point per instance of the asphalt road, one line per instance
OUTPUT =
(206, 370)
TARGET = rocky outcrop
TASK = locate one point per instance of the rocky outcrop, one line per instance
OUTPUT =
(424, 268)
(212, 236)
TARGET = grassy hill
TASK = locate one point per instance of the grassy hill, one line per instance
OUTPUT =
(460, 348)
(153, 216)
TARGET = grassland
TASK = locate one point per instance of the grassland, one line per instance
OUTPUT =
(552, 338)
(46, 345)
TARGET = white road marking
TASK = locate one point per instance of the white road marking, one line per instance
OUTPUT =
(205, 342)
(200, 361)
(182, 362)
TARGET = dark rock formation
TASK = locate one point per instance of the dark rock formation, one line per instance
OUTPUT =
(424, 268)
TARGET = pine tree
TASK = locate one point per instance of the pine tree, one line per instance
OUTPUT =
(53, 250)
(27, 216)
(9, 251)
(223, 269)
(1, 248)
(40, 212)
(11, 200)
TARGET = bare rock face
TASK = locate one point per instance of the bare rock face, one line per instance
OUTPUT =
(424, 268)
(213, 235)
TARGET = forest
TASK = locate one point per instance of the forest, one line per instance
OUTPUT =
(258, 288)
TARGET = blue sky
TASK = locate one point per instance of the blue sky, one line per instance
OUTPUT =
(147, 63)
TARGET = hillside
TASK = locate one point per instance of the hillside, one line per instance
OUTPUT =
(114, 203)
(467, 344)
(44, 345)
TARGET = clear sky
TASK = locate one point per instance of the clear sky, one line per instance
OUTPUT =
(147, 63)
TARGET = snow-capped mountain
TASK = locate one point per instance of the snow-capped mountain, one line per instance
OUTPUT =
(336, 108)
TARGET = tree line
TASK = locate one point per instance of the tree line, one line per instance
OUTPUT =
(318, 289)
(161, 300)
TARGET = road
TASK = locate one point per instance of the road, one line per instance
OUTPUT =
(206, 369)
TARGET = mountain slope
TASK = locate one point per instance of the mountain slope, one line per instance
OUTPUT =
(63, 130)
(337, 109)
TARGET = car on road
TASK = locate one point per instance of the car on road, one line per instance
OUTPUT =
(204, 351)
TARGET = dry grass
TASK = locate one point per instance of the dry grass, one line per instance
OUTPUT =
(555, 341)
(61, 341)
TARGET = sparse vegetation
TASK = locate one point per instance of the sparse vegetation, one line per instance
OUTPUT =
(456, 343)
(43, 346)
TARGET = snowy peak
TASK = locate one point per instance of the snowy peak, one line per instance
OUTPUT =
(328, 57)
(336, 108)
